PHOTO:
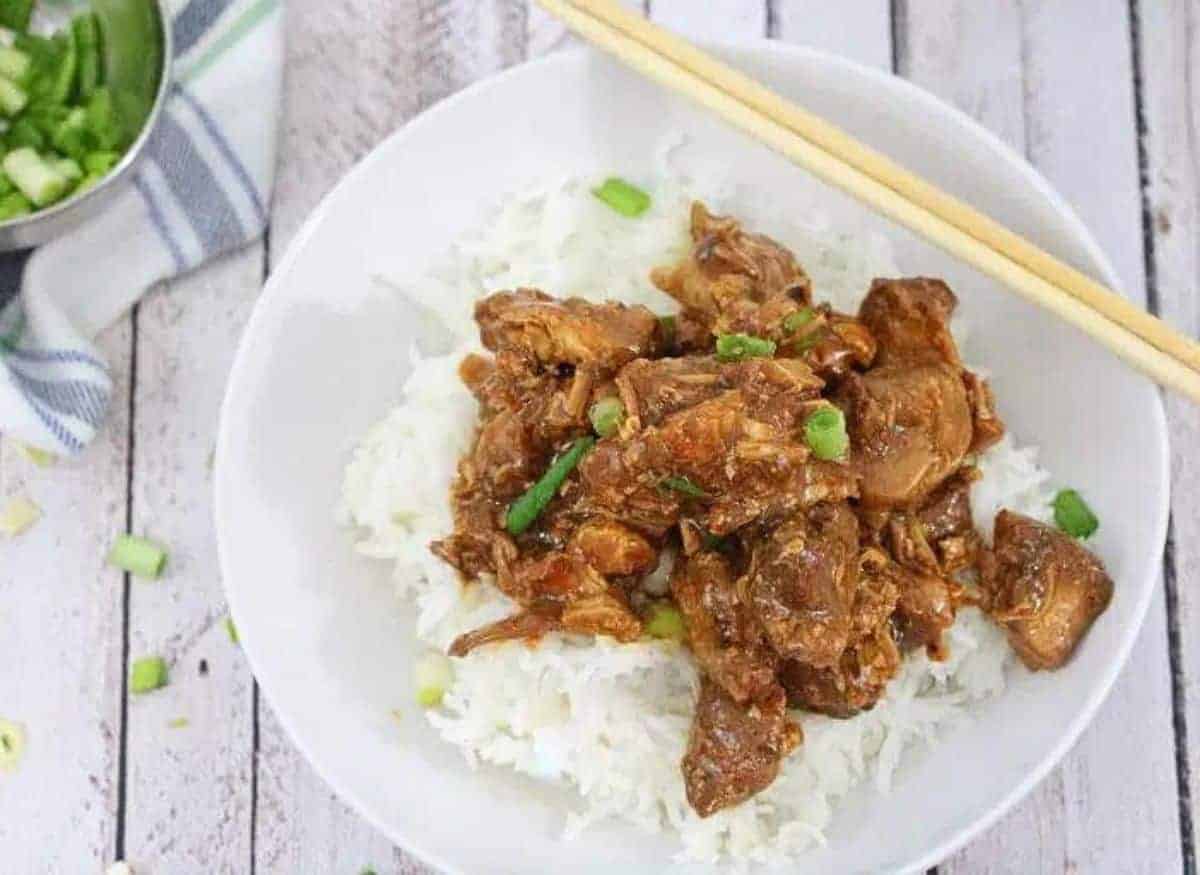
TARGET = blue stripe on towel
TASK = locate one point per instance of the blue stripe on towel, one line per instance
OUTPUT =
(194, 21)
(160, 223)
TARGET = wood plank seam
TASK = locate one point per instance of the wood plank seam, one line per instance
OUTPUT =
(1170, 571)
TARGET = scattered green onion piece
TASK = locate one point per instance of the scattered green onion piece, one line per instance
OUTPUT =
(606, 415)
(809, 340)
(34, 455)
(12, 97)
(18, 515)
(69, 168)
(738, 347)
(523, 511)
(433, 674)
(148, 674)
(231, 630)
(89, 181)
(684, 485)
(15, 14)
(626, 199)
(14, 63)
(6, 186)
(103, 122)
(1073, 516)
(664, 621)
(68, 64)
(793, 322)
(138, 556)
(100, 162)
(177, 723)
(12, 744)
(825, 433)
(35, 177)
(14, 204)
(367, 871)
(86, 28)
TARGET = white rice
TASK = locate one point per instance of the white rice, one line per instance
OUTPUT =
(612, 720)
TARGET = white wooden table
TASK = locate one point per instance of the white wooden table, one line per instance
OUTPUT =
(1103, 96)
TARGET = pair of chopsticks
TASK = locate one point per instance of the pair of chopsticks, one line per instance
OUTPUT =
(825, 150)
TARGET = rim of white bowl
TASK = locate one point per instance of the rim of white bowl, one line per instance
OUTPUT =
(949, 114)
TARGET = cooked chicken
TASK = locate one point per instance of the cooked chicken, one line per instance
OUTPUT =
(725, 638)
(1043, 588)
(803, 571)
(735, 750)
(743, 282)
(572, 332)
(802, 582)
(871, 658)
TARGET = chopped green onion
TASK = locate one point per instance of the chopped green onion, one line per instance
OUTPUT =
(231, 630)
(138, 556)
(24, 134)
(148, 674)
(825, 433)
(14, 63)
(18, 515)
(177, 723)
(68, 64)
(103, 122)
(367, 871)
(809, 340)
(35, 177)
(12, 97)
(793, 322)
(88, 181)
(737, 347)
(14, 204)
(69, 168)
(71, 136)
(86, 28)
(100, 162)
(15, 14)
(1073, 516)
(12, 744)
(606, 415)
(684, 485)
(523, 511)
(670, 327)
(433, 674)
(626, 199)
(34, 455)
(664, 621)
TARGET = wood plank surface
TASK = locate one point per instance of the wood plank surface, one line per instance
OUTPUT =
(1022, 70)
(62, 643)
(189, 788)
(1169, 55)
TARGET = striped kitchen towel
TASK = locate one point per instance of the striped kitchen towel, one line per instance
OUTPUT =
(201, 190)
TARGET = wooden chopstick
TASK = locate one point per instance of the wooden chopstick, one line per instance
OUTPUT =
(834, 156)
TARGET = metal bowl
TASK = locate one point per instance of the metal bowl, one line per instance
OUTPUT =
(137, 58)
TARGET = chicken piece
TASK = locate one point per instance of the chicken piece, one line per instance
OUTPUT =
(571, 331)
(527, 625)
(910, 320)
(779, 392)
(731, 272)
(506, 457)
(910, 427)
(871, 658)
(928, 606)
(988, 429)
(613, 549)
(802, 582)
(1043, 588)
(653, 389)
(725, 639)
(831, 343)
(735, 751)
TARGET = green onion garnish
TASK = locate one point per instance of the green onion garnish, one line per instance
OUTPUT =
(12, 744)
(15, 14)
(231, 630)
(626, 199)
(1073, 516)
(433, 674)
(664, 621)
(684, 485)
(148, 674)
(37, 179)
(138, 556)
(606, 415)
(17, 515)
(793, 322)
(737, 347)
(825, 433)
(523, 511)
(177, 723)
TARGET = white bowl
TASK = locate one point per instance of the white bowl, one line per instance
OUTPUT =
(325, 353)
